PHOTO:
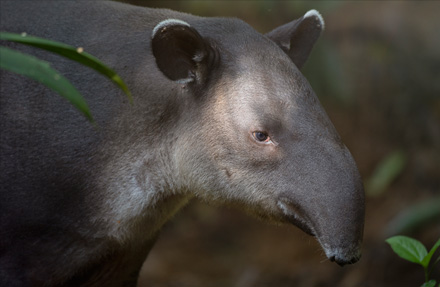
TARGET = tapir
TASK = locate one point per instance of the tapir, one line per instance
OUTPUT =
(220, 113)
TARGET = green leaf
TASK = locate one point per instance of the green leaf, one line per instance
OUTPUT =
(385, 173)
(415, 217)
(41, 71)
(408, 248)
(430, 283)
(427, 259)
(69, 52)
(437, 260)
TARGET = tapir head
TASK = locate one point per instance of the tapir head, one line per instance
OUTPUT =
(255, 134)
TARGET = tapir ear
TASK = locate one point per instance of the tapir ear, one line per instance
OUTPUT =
(181, 52)
(298, 37)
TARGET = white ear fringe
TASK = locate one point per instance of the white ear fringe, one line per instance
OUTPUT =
(314, 13)
(168, 22)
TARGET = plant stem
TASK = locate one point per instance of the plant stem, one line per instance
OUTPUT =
(432, 268)
(426, 274)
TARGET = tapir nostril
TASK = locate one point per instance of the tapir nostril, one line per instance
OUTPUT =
(343, 256)
(343, 261)
(332, 259)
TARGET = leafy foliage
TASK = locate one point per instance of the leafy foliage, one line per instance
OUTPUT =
(415, 217)
(386, 172)
(41, 71)
(414, 251)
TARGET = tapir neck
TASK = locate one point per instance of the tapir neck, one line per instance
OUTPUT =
(139, 219)
(141, 190)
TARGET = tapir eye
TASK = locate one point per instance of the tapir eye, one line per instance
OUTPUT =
(261, 137)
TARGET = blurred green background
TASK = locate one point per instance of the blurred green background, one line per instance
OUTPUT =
(376, 70)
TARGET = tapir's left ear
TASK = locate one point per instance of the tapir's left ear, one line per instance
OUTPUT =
(298, 37)
(181, 53)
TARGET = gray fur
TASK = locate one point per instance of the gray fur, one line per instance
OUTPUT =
(83, 205)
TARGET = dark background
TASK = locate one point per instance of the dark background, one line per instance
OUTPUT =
(376, 70)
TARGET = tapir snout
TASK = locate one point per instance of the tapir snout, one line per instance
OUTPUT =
(328, 202)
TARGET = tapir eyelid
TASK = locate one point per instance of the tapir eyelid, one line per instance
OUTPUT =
(262, 137)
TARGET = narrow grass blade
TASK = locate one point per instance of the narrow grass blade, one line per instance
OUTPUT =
(70, 52)
(415, 217)
(385, 173)
(41, 71)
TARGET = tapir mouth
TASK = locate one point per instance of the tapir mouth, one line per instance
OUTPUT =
(296, 215)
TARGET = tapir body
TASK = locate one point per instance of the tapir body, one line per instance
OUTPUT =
(220, 112)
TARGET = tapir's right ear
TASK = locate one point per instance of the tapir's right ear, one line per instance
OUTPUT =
(181, 53)
(298, 37)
